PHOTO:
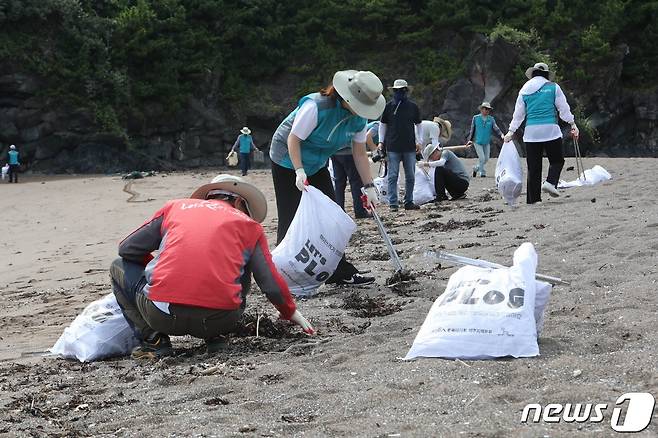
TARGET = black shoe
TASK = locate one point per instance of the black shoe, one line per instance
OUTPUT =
(215, 345)
(482, 176)
(393, 207)
(411, 206)
(154, 347)
(355, 280)
(475, 173)
(455, 198)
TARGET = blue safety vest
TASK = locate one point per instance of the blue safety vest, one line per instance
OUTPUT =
(540, 106)
(375, 136)
(336, 127)
(13, 157)
(483, 129)
(245, 143)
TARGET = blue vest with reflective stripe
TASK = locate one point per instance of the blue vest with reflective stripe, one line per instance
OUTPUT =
(336, 127)
(245, 143)
(483, 129)
(540, 106)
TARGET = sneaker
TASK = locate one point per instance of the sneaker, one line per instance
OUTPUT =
(411, 206)
(462, 196)
(154, 347)
(215, 345)
(355, 280)
(483, 176)
(393, 207)
(550, 189)
(475, 173)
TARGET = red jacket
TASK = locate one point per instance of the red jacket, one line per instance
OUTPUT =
(208, 251)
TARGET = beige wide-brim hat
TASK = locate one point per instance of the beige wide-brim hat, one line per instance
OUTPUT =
(446, 129)
(233, 184)
(486, 105)
(400, 83)
(245, 131)
(362, 90)
(540, 66)
(429, 150)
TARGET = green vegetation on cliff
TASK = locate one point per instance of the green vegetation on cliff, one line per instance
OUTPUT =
(113, 56)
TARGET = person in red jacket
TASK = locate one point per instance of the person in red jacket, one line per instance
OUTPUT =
(209, 246)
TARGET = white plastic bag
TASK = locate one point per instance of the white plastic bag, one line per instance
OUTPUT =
(424, 190)
(509, 173)
(595, 175)
(382, 188)
(330, 167)
(5, 171)
(486, 313)
(314, 244)
(100, 331)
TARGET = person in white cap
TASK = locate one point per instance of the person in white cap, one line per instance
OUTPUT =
(322, 124)
(479, 135)
(449, 172)
(400, 135)
(208, 247)
(14, 164)
(245, 144)
(539, 102)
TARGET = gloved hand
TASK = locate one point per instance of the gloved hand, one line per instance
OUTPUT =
(300, 181)
(418, 149)
(575, 132)
(298, 319)
(372, 198)
(423, 164)
(508, 137)
(469, 143)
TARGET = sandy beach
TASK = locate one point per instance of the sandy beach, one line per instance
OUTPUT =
(599, 340)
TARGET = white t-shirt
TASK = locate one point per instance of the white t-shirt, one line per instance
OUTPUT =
(431, 133)
(306, 120)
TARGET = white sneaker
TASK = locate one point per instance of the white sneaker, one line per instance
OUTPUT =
(550, 189)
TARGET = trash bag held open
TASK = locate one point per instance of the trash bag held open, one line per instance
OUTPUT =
(314, 244)
(509, 173)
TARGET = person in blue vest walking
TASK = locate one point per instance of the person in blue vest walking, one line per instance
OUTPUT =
(322, 124)
(245, 144)
(14, 164)
(539, 102)
(479, 136)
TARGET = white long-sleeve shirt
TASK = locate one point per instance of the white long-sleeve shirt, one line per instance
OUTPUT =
(539, 133)
(418, 130)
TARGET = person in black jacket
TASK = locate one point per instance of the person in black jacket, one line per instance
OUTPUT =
(400, 133)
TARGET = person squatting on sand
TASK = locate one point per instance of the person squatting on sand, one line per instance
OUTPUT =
(400, 134)
(14, 163)
(208, 248)
(480, 136)
(449, 172)
(322, 124)
(245, 144)
(537, 103)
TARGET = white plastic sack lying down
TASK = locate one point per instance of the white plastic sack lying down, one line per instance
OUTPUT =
(314, 244)
(424, 190)
(100, 331)
(486, 313)
(595, 175)
(5, 171)
(509, 173)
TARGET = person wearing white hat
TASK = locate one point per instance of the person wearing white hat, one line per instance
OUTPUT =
(400, 135)
(320, 125)
(245, 144)
(208, 247)
(449, 172)
(479, 136)
(14, 163)
(539, 102)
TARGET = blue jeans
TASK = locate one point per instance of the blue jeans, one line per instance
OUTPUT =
(483, 151)
(244, 162)
(344, 170)
(409, 162)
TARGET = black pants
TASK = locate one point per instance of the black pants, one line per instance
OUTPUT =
(446, 179)
(245, 162)
(344, 170)
(534, 154)
(287, 201)
(13, 173)
(145, 318)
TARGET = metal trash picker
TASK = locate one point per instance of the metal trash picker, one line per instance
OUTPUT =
(580, 167)
(395, 259)
(460, 260)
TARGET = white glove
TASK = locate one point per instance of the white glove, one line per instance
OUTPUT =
(575, 132)
(298, 319)
(300, 181)
(372, 197)
(422, 164)
(508, 137)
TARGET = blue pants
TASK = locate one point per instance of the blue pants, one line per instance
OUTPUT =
(409, 162)
(344, 169)
(483, 151)
(245, 164)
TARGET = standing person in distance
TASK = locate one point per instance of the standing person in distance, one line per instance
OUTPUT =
(245, 144)
(481, 127)
(322, 124)
(14, 163)
(539, 102)
(400, 133)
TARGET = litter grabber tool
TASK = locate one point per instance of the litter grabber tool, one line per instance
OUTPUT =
(395, 259)
(460, 260)
(580, 167)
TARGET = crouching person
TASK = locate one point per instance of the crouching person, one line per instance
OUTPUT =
(449, 172)
(208, 246)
